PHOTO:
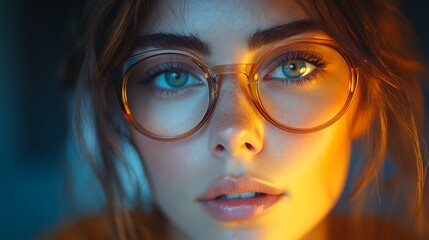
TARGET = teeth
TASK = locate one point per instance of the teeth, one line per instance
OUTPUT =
(233, 196)
(239, 195)
(248, 195)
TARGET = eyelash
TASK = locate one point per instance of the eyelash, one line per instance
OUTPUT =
(310, 57)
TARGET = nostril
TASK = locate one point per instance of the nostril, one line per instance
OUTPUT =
(250, 147)
(245, 147)
(219, 148)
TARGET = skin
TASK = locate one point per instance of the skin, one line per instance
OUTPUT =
(310, 168)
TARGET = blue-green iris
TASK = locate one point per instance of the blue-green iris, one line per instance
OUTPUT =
(294, 68)
(176, 79)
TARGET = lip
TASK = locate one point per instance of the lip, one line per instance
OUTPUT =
(241, 208)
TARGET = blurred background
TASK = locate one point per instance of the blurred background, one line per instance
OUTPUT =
(34, 38)
(33, 116)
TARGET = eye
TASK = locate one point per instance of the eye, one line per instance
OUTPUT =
(295, 66)
(170, 80)
(173, 79)
(292, 69)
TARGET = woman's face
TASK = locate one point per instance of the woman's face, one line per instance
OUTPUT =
(300, 176)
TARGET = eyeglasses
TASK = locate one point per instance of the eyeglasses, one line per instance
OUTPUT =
(299, 86)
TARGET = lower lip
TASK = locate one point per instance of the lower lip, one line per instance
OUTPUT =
(240, 209)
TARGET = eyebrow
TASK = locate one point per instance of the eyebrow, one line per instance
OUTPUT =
(257, 40)
(267, 36)
(169, 40)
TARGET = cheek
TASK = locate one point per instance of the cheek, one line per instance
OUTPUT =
(318, 178)
(323, 161)
(313, 169)
(173, 169)
(317, 174)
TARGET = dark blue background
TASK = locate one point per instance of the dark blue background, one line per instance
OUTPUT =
(33, 111)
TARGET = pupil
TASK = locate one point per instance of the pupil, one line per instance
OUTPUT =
(176, 79)
(293, 68)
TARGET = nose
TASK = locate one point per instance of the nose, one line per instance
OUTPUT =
(236, 127)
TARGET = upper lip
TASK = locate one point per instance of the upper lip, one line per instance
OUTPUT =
(241, 185)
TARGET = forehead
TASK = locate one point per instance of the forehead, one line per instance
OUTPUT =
(229, 17)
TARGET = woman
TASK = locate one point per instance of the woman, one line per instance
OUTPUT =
(243, 114)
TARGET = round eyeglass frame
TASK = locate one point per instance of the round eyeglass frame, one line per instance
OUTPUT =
(250, 70)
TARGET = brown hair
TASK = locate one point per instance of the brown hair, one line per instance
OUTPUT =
(374, 33)
(379, 37)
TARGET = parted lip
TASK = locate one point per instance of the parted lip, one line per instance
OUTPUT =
(236, 186)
